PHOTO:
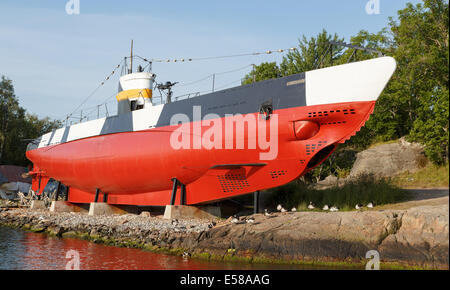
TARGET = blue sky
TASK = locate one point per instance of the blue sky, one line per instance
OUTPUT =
(56, 60)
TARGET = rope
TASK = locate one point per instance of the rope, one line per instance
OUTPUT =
(209, 76)
(222, 56)
(149, 62)
(96, 89)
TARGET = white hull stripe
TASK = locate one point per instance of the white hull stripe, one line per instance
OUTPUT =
(141, 120)
(353, 82)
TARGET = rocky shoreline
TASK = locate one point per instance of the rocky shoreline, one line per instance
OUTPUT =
(415, 237)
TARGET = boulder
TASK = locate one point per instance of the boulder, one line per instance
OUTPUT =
(145, 214)
(329, 181)
(387, 160)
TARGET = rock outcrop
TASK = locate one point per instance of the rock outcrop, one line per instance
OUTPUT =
(423, 236)
(415, 236)
(390, 159)
(418, 236)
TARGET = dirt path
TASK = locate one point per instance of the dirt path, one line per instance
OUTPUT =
(423, 194)
(421, 197)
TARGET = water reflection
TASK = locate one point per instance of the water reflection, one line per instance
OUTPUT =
(25, 250)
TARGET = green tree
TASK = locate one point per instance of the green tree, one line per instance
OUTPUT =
(312, 54)
(10, 113)
(415, 102)
(16, 126)
(421, 36)
(264, 71)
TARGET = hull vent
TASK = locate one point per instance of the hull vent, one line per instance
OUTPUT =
(318, 114)
(334, 123)
(311, 148)
(232, 182)
(326, 113)
(351, 111)
(277, 173)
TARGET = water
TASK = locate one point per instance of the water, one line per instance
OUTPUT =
(30, 251)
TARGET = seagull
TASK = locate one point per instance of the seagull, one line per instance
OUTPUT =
(174, 222)
(325, 207)
(370, 205)
(186, 255)
(294, 209)
(358, 206)
(234, 220)
(267, 213)
(279, 207)
(250, 220)
(334, 208)
(283, 210)
(310, 206)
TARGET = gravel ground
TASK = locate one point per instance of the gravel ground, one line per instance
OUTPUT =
(119, 223)
(122, 230)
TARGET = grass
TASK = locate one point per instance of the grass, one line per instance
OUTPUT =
(431, 176)
(361, 191)
(378, 143)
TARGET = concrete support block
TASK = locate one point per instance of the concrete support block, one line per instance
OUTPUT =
(64, 206)
(184, 211)
(37, 204)
(102, 208)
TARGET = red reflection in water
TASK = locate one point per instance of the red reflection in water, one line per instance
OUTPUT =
(27, 251)
(50, 253)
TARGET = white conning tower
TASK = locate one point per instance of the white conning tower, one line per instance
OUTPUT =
(135, 92)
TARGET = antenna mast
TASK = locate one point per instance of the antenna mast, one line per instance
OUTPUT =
(131, 58)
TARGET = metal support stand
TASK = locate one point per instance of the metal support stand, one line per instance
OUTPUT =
(67, 194)
(105, 197)
(177, 183)
(174, 191)
(256, 202)
(58, 188)
(38, 193)
(182, 194)
(97, 192)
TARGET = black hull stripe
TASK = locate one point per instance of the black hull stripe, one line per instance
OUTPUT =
(241, 100)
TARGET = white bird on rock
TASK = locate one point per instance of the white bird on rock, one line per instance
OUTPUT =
(250, 220)
(370, 205)
(267, 213)
(283, 210)
(294, 209)
(358, 206)
(234, 220)
(310, 206)
(334, 208)
(325, 207)
(279, 207)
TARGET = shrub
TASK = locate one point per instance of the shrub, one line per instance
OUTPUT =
(363, 190)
